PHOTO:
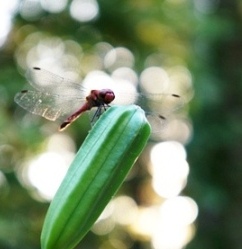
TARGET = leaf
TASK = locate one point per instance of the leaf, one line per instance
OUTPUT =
(95, 175)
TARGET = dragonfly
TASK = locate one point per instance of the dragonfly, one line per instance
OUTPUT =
(57, 98)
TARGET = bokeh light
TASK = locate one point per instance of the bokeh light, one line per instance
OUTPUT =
(31, 10)
(50, 52)
(124, 210)
(7, 11)
(45, 173)
(53, 6)
(174, 227)
(42, 174)
(126, 73)
(118, 57)
(154, 80)
(84, 10)
(169, 172)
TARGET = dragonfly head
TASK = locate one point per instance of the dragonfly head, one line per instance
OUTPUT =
(107, 95)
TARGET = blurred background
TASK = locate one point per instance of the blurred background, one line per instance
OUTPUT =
(185, 191)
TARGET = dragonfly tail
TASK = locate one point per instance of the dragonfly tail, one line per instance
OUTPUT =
(74, 116)
(64, 125)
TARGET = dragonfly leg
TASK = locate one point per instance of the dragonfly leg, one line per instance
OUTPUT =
(99, 112)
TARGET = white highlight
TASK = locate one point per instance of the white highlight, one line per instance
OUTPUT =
(169, 168)
(84, 10)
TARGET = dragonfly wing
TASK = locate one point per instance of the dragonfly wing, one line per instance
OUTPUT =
(44, 80)
(49, 106)
(164, 104)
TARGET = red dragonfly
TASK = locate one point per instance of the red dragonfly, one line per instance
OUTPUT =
(57, 98)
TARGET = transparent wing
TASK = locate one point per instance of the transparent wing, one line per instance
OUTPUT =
(49, 106)
(160, 110)
(162, 104)
(46, 81)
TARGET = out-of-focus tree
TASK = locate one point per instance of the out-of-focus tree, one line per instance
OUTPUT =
(192, 44)
(215, 149)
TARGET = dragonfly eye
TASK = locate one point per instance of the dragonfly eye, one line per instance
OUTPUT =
(109, 97)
